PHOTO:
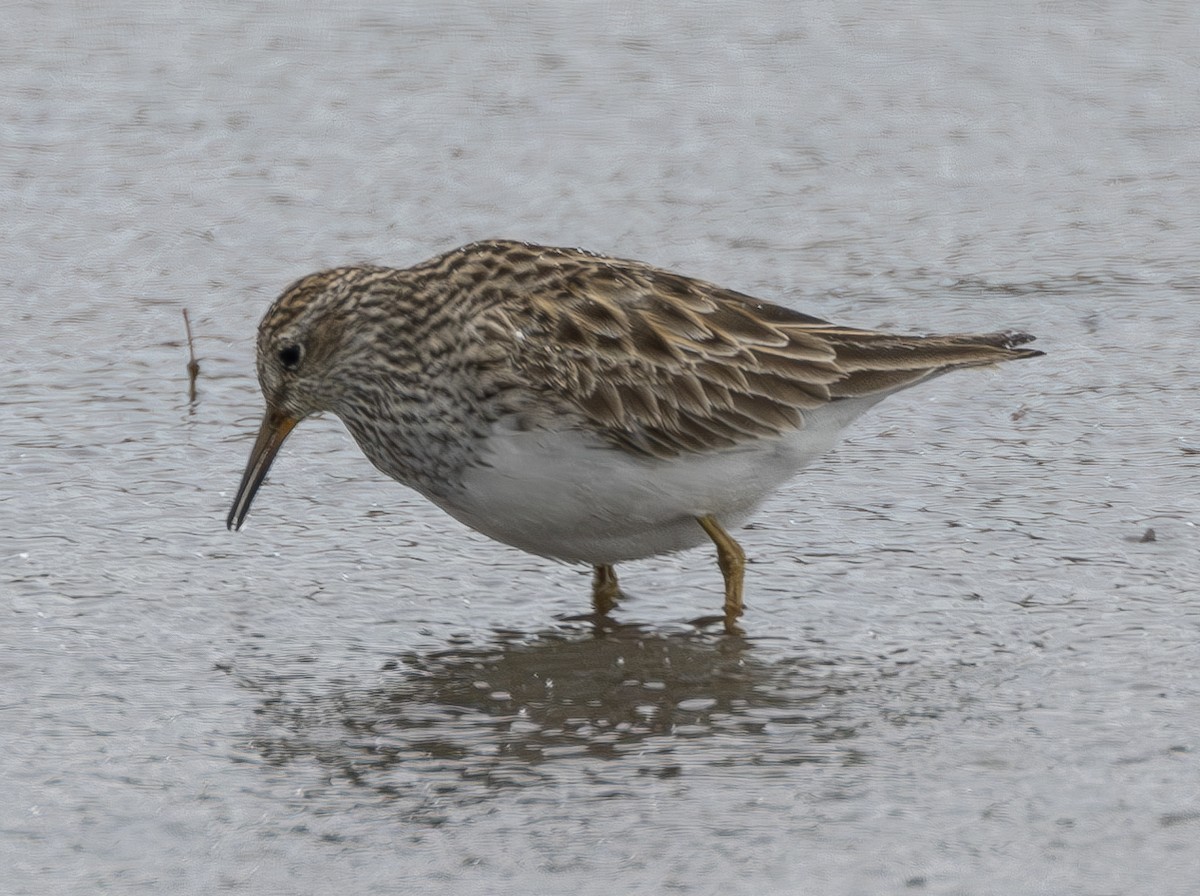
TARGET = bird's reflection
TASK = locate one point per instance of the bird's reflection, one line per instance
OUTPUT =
(465, 723)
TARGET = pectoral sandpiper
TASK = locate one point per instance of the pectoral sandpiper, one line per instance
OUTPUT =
(579, 407)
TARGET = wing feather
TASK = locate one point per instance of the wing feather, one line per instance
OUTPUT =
(665, 365)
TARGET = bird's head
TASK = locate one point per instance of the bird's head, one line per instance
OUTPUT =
(307, 361)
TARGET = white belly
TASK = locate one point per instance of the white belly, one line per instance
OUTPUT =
(572, 497)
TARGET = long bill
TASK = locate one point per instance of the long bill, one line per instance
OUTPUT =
(275, 428)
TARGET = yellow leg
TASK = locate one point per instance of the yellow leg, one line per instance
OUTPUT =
(605, 590)
(732, 560)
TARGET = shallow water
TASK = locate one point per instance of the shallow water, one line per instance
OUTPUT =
(971, 665)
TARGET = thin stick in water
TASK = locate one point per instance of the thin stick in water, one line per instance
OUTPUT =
(193, 367)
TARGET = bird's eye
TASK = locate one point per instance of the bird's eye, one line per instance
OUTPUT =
(289, 356)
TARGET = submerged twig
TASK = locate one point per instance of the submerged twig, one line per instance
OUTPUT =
(193, 367)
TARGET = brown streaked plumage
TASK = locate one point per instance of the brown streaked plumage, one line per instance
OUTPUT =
(579, 407)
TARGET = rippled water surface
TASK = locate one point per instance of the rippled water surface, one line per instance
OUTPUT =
(972, 662)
